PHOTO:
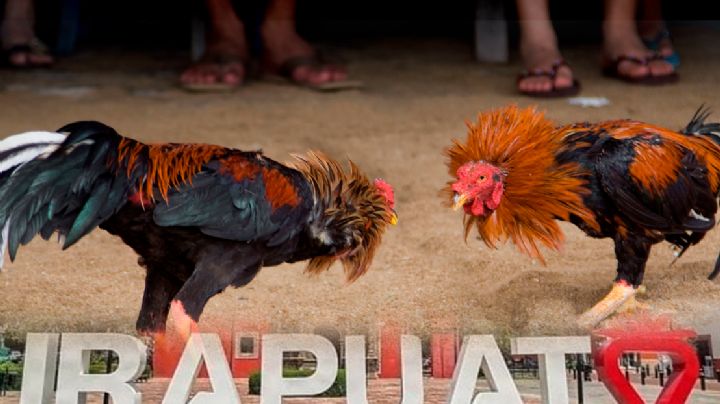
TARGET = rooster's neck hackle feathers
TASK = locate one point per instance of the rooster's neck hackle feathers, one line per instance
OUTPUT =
(169, 164)
(538, 190)
(347, 206)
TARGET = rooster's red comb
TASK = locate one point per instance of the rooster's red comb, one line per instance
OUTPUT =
(386, 191)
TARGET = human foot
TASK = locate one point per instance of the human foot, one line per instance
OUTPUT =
(547, 74)
(288, 55)
(627, 58)
(222, 66)
(20, 48)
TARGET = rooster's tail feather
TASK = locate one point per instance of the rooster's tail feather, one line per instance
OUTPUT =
(14, 152)
(66, 182)
(698, 127)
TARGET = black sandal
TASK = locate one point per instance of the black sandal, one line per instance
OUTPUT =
(552, 73)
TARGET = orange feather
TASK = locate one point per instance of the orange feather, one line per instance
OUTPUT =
(169, 165)
(523, 143)
(656, 165)
(279, 191)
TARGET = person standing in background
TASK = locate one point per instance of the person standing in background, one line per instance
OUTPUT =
(625, 55)
(225, 62)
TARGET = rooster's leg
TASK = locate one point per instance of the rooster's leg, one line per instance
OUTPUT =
(159, 291)
(632, 251)
(621, 293)
(632, 305)
(181, 322)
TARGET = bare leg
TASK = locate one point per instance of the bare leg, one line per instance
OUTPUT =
(18, 29)
(651, 25)
(539, 48)
(225, 52)
(282, 43)
(622, 38)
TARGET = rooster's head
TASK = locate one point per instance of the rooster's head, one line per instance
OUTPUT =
(351, 215)
(479, 188)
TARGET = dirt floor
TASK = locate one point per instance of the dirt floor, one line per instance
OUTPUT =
(418, 96)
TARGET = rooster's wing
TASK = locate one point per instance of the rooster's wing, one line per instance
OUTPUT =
(655, 184)
(264, 202)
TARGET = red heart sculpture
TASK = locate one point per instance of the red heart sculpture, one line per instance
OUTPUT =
(609, 345)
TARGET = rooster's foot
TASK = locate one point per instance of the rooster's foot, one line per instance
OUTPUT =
(610, 304)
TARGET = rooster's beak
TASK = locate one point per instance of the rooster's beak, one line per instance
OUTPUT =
(459, 201)
(393, 218)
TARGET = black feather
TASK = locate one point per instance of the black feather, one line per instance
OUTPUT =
(698, 127)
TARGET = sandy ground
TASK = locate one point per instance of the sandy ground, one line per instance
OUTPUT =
(418, 95)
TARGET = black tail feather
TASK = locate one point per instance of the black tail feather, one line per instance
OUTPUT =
(697, 125)
(70, 190)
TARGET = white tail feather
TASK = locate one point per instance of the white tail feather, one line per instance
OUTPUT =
(24, 139)
(25, 155)
(4, 243)
(29, 146)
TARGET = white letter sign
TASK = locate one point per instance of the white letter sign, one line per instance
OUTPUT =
(39, 368)
(551, 361)
(73, 378)
(201, 347)
(274, 386)
(482, 351)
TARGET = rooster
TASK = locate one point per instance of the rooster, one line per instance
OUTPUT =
(200, 217)
(637, 183)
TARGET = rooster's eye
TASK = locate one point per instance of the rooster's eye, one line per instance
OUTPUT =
(482, 178)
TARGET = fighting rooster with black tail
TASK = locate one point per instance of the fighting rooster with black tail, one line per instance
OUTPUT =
(201, 217)
(637, 183)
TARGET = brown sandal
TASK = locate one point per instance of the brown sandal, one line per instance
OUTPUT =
(552, 73)
(611, 70)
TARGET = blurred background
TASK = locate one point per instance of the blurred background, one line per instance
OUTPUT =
(166, 24)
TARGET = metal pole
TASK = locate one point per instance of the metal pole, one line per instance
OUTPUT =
(108, 369)
(580, 367)
(702, 379)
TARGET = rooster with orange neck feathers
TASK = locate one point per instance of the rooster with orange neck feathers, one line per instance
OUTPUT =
(637, 183)
(201, 217)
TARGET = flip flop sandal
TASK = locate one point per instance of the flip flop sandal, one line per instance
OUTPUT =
(655, 43)
(611, 70)
(554, 92)
(218, 61)
(285, 70)
(34, 47)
